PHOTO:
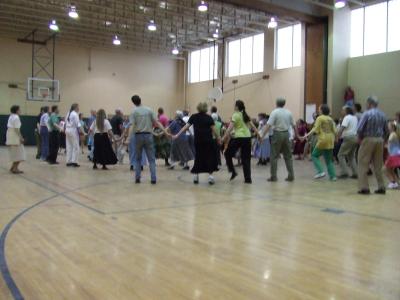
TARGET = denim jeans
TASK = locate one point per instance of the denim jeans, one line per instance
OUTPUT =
(44, 138)
(145, 142)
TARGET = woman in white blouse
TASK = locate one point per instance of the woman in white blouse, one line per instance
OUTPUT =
(72, 129)
(103, 152)
(14, 140)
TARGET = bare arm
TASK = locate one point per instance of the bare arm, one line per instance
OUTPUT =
(228, 131)
(267, 128)
(184, 128)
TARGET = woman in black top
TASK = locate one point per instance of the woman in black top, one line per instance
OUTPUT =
(206, 160)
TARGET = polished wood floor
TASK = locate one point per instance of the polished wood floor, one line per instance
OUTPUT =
(84, 234)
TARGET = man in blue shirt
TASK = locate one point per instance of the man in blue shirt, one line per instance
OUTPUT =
(372, 131)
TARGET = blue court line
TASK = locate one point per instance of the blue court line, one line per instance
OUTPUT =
(5, 271)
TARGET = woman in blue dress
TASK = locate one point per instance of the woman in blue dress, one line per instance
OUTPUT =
(181, 151)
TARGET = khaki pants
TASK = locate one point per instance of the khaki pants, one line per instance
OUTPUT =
(280, 143)
(348, 152)
(371, 150)
(119, 148)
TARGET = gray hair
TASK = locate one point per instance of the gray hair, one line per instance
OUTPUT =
(179, 113)
(373, 100)
(280, 102)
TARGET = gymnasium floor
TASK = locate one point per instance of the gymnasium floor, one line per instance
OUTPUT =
(84, 234)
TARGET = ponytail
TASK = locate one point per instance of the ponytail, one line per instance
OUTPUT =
(240, 106)
(73, 107)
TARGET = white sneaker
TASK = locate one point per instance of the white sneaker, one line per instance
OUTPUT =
(211, 180)
(319, 175)
(393, 185)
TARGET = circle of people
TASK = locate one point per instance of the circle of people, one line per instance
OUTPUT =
(357, 142)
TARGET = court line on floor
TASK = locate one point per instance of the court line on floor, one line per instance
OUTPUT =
(12, 286)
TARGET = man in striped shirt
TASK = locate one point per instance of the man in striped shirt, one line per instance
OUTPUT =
(371, 131)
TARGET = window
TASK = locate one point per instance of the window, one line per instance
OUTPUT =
(246, 56)
(288, 47)
(373, 28)
(202, 65)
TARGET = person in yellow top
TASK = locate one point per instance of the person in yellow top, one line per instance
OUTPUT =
(240, 124)
(325, 130)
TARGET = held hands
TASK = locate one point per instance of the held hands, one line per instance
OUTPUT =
(22, 140)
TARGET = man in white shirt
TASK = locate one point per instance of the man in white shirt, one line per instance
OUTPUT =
(347, 152)
(44, 134)
(281, 120)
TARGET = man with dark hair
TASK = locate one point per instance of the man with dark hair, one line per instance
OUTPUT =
(54, 135)
(143, 119)
(37, 134)
(347, 152)
(358, 110)
(281, 120)
(214, 110)
(44, 134)
(117, 122)
(372, 130)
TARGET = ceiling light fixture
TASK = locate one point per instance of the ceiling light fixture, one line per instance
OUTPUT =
(116, 41)
(73, 13)
(175, 51)
(340, 3)
(216, 34)
(163, 4)
(53, 25)
(203, 7)
(152, 26)
(108, 23)
(272, 23)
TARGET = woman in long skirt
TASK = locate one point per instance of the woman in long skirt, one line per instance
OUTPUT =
(180, 148)
(14, 140)
(263, 147)
(206, 160)
(299, 144)
(103, 153)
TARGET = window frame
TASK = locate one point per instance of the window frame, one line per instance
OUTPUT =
(212, 73)
(364, 31)
(276, 54)
(227, 54)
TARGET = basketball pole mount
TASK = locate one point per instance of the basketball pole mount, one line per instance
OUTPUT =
(43, 55)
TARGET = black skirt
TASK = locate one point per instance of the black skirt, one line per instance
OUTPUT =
(103, 152)
(206, 159)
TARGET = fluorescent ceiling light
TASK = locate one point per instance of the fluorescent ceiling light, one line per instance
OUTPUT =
(152, 26)
(73, 13)
(202, 6)
(175, 51)
(272, 23)
(116, 41)
(340, 3)
(53, 25)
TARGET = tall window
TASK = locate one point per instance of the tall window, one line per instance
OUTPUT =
(203, 64)
(288, 47)
(373, 28)
(246, 56)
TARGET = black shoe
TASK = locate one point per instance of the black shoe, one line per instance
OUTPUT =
(272, 179)
(137, 181)
(104, 168)
(153, 182)
(53, 162)
(234, 174)
(94, 167)
(369, 173)
(248, 181)
(131, 168)
(186, 168)
(380, 191)
(354, 177)
(289, 179)
(69, 164)
(343, 176)
(75, 165)
(364, 192)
